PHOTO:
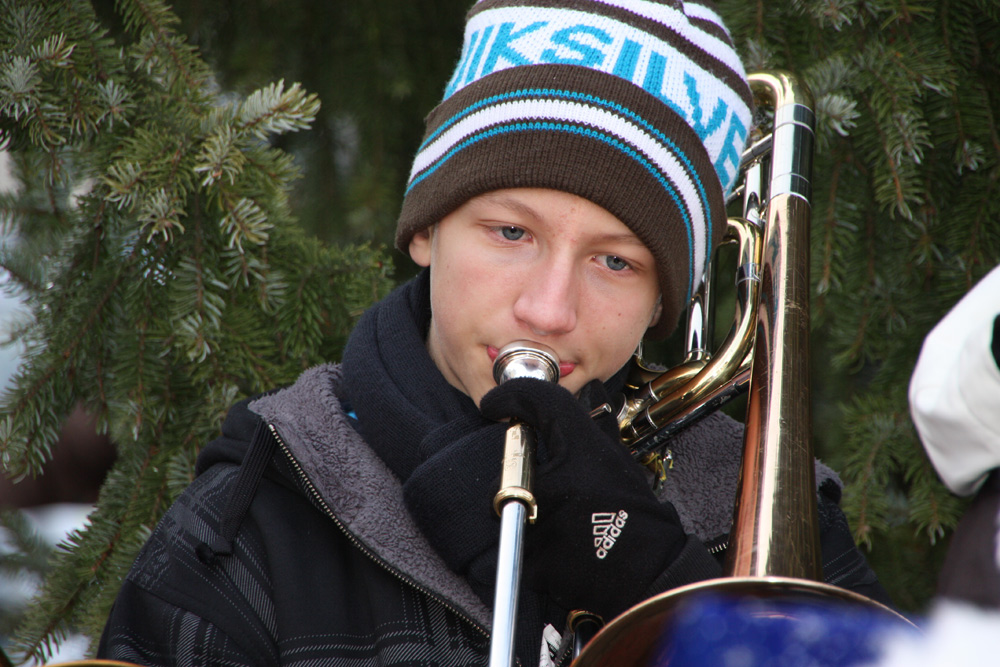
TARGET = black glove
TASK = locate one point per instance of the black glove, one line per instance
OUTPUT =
(843, 563)
(601, 538)
(450, 496)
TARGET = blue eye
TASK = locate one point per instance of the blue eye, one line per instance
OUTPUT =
(615, 263)
(512, 233)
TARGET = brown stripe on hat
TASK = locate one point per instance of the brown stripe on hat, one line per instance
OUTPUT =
(520, 152)
(546, 159)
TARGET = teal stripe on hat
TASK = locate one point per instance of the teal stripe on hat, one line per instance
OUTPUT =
(609, 105)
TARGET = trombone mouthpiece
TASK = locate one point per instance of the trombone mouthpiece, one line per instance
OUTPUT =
(524, 359)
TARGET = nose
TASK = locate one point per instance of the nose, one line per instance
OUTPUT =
(548, 299)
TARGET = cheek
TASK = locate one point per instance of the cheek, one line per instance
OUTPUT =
(622, 329)
(459, 280)
(627, 336)
(462, 294)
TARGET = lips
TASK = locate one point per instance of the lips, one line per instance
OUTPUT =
(565, 367)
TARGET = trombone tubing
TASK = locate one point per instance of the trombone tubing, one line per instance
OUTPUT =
(778, 533)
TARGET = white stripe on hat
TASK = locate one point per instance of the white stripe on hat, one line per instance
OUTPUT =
(537, 47)
(557, 110)
(669, 17)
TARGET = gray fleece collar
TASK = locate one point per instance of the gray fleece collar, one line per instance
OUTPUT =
(706, 466)
(361, 491)
(367, 498)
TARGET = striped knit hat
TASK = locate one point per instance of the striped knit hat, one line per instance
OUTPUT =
(640, 106)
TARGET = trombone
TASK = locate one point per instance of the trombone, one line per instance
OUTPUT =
(766, 352)
(774, 548)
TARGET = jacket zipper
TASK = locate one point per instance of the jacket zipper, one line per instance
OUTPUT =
(314, 492)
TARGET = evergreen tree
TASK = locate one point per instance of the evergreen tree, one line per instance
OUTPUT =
(905, 221)
(165, 275)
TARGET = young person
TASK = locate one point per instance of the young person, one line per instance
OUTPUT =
(568, 191)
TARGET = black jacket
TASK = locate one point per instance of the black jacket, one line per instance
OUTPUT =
(293, 545)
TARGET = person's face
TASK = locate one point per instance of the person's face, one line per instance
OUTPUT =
(538, 265)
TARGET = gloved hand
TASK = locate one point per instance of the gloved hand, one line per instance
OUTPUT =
(450, 496)
(601, 538)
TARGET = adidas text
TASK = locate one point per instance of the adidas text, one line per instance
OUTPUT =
(607, 527)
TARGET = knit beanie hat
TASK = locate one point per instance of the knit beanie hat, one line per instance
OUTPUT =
(640, 106)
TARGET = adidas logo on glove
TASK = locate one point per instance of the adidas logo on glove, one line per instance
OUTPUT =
(607, 527)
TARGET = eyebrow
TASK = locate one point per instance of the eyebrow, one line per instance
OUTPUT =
(512, 204)
(518, 206)
(630, 238)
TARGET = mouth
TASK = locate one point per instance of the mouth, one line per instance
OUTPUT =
(565, 367)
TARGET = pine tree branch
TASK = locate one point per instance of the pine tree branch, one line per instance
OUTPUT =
(67, 353)
(829, 225)
(163, 38)
(19, 277)
(863, 527)
(973, 255)
(890, 162)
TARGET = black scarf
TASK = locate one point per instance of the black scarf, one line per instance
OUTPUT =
(432, 436)
(395, 388)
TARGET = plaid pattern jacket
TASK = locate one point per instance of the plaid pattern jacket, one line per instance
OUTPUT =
(297, 549)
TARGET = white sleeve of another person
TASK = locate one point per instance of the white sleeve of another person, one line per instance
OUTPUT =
(955, 390)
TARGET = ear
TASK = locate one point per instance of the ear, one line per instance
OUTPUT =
(657, 311)
(420, 247)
